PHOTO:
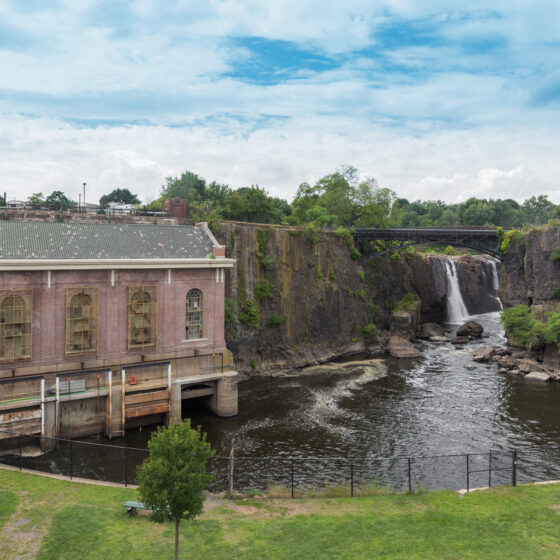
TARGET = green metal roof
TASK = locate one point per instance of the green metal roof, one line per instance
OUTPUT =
(58, 241)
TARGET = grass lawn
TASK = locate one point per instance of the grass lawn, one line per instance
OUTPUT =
(60, 520)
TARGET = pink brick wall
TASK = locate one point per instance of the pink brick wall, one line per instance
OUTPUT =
(49, 311)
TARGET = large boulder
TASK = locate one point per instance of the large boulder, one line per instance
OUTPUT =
(402, 348)
(472, 329)
(538, 376)
(402, 324)
(483, 354)
(460, 340)
(430, 330)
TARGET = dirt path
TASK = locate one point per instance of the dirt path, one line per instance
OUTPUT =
(20, 539)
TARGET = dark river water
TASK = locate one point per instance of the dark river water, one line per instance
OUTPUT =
(364, 418)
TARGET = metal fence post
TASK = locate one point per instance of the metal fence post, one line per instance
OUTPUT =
(490, 470)
(514, 468)
(125, 466)
(292, 478)
(409, 476)
(351, 478)
(468, 474)
(71, 466)
(20, 451)
(231, 468)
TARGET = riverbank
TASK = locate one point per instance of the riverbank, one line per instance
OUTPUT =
(47, 519)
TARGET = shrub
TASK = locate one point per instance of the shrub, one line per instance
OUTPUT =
(449, 250)
(406, 303)
(553, 328)
(355, 254)
(514, 234)
(263, 290)
(556, 292)
(229, 310)
(318, 273)
(332, 277)
(370, 332)
(311, 234)
(555, 255)
(249, 316)
(395, 257)
(345, 235)
(275, 320)
(523, 328)
(263, 236)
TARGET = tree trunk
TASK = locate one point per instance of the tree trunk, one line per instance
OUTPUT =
(177, 521)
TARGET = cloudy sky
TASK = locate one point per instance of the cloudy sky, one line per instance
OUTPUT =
(435, 99)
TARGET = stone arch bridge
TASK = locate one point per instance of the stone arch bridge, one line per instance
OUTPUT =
(481, 239)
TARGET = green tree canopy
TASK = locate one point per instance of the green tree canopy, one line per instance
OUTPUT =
(121, 196)
(172, 480)
(351, 201)
(36, 200)
(57, 200)
(537, 210)
(189, 186)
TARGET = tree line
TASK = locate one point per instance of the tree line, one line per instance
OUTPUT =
(340, 198)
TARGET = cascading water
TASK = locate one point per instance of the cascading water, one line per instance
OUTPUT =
(456, 308)
(495, 282)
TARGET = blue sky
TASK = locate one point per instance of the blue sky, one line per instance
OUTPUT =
(434, 99)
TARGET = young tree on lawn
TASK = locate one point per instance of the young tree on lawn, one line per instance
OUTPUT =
(172, 480)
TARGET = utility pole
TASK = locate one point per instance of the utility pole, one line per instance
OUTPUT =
(84, 195)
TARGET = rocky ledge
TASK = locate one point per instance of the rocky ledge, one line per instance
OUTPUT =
(520, 362)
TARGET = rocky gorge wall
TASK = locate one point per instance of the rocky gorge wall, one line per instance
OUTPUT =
(528, 275)
(298, 297)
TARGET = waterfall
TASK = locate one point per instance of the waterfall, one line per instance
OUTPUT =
(495, 282)
(456, 309)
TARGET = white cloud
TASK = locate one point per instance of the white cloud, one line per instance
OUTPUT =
(428, 120)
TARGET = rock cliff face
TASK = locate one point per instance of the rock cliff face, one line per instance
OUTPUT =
(528, 275)
(298, 297)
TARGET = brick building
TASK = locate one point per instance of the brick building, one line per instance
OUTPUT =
(109, 326)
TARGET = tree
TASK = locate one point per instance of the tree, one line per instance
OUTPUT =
(36, 200)
(538, 210)
(57, 200)
(172, 480)
(189, 186)
(121, 196)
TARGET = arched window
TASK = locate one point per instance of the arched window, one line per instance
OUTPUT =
(141, 316)
(15, 325)
(194, 314)
(81, 320)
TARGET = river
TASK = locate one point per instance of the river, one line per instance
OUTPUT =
(377, 412)
(365, 408)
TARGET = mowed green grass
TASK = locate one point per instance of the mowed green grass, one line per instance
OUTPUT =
(88, 522)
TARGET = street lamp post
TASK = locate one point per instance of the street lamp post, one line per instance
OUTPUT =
(84, 196)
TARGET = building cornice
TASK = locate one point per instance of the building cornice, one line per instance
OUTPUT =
(111, 264)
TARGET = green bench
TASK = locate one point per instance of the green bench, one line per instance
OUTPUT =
(133, 507)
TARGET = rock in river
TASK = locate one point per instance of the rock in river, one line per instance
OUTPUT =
(401, 348)
(483, 354)
(538, 376)
(472, 329)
